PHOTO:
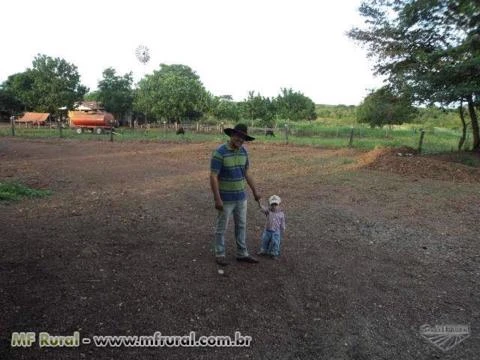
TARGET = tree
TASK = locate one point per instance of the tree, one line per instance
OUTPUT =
(431, 47)
(92, 96)
(224, 108)
(20, 86)
(9, 103)
(173, 93)
(383, 107)
(115, 92)
(258, 107)
(48, 85)
(295, 106)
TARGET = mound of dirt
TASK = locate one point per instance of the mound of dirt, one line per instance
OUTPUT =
(406, 161)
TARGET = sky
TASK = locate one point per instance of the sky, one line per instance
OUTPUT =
(235, 46)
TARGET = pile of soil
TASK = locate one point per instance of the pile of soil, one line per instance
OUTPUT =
(407, 162)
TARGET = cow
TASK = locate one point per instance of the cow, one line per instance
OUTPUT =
(180, 131)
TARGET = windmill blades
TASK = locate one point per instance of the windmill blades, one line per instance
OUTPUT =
(143, 54)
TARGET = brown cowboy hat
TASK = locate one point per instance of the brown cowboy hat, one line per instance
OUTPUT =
(240, 130)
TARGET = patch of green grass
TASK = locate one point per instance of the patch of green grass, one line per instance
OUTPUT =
(13, 191)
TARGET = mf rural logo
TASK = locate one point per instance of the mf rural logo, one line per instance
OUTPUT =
(445, 337)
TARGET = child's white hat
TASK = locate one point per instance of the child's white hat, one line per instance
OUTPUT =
(274, 199)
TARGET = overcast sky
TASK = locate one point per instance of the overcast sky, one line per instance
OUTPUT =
(233, 45)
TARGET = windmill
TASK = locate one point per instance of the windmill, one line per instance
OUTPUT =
(143, 55)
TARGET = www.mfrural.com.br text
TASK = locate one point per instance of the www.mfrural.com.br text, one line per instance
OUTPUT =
(47, 340)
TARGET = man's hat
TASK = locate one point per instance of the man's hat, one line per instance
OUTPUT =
(240, 130)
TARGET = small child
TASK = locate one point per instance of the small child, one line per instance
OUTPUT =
(274, 228)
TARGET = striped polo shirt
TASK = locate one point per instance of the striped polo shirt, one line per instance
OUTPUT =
(230, 166)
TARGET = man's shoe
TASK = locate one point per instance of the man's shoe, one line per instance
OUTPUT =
(247, 259)
(220, 260)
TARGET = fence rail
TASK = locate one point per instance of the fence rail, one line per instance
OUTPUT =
(434, 140)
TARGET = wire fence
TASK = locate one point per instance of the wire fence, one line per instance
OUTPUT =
(423, 140)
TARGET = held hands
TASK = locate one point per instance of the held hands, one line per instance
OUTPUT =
(264, 209)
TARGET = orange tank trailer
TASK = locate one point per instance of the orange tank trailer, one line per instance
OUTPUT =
(95, 122)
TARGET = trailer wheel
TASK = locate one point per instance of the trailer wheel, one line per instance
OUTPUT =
(99, 131)
(78, 130)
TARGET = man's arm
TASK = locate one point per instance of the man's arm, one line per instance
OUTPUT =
(251, 183)
(216, 191)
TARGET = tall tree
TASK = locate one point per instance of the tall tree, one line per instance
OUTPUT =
(9, 102)
(173, 93)
(383, 107)
(295, 106)
(430, 47)
(92, 96)
(223, 108)
(20, 86)
(257, 107)
(51, 83)
(115, 92)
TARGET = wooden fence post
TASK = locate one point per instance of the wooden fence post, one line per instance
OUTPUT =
(420, 143)
(350, 142)
(60, 130)
(12, 121)
(286, 134)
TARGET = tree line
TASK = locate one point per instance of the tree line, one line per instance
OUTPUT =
(429, 52)
(172, 93)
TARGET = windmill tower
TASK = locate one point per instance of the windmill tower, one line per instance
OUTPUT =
(143, 55)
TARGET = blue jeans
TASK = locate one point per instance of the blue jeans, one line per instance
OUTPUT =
(239, 211)
(271, 242)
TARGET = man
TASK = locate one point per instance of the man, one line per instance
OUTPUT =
(228, 178)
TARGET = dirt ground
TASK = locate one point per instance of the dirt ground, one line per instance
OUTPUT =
(377, 245)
